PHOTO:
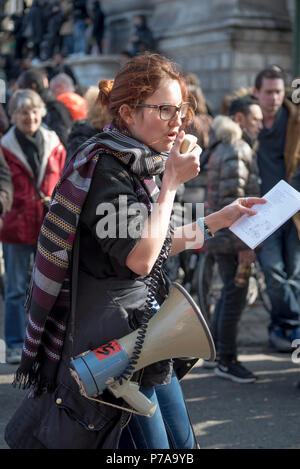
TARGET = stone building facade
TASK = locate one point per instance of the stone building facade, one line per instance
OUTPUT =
(225, 42)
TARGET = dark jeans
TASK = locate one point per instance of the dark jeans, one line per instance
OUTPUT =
(228, 309)
(280, 262)
(169, 427)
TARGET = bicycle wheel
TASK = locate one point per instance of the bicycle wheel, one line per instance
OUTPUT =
(261, 286)
(209, 284)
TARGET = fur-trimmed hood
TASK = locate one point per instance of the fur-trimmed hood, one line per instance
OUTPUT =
(225, 130)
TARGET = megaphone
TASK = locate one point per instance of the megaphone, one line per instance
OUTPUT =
(177, 330)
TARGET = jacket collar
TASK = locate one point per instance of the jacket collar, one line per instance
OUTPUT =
(10, 142)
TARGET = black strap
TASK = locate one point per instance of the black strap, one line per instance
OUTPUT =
(37, 190)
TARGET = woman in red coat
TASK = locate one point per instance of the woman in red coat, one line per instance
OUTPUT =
(35, 157)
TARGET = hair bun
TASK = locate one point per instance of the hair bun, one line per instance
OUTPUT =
(105, 87)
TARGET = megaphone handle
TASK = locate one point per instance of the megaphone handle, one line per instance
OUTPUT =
(131, 393)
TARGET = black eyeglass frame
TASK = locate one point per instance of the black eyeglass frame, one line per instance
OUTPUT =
(159, 106)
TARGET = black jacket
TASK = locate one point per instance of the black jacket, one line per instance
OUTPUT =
(6, 187)
(79, 10)
(58, 117)
(80, 132)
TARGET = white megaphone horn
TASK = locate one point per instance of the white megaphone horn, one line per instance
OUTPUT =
(177, 330)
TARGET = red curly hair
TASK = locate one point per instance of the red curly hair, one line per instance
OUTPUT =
(137, 80)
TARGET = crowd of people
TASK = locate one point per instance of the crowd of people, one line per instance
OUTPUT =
(54, 130)
(65, 26)
(69, 28)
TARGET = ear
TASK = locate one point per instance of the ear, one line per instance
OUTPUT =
(239, 118)
(126, 114)
(255, 92)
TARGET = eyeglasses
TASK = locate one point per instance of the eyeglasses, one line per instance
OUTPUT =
(168, 111)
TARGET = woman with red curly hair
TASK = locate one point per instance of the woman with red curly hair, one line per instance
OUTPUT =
(108, 195)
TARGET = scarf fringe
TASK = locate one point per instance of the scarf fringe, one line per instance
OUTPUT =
(26, 379)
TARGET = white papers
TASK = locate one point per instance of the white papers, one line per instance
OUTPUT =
(283, 201)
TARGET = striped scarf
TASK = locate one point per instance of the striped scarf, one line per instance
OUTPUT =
(48, 299)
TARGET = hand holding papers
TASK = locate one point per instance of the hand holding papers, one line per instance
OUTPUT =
(283, 201)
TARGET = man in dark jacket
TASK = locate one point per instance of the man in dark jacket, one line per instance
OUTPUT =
(278, 158)
(55, 19)
(37, 23)
(142, 39)
(232, 173)
(58, 117)
(98, 24)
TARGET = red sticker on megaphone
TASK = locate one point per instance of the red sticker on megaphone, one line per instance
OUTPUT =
(108, 349)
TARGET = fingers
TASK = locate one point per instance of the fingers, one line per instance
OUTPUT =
(246, 210)
(250, 201)
(246, 203)
(178, 141)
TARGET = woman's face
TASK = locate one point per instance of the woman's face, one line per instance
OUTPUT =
(27, 120)
(147, 126)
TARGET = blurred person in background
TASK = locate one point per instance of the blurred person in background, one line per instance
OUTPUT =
(192, 192)
(232, 172)
(142, 39)
(83, 129)
(278, 158)
(61, 67)
(35, 157)
(57, 117)
(81, 21)
(67, 28)
(199, 126)
(63, 89)
(98, 24)
(54, 20)
(37, 26)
